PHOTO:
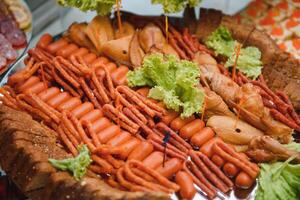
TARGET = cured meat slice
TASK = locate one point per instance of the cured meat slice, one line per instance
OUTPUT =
(6, 50)
(2, 61)
(16, 37)
(7, 26)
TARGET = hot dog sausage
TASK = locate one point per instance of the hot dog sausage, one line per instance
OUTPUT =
(27, 84)
(170, 116)
(230, 169)
(92, 116)
(141, 152)
(44, 41)
(111, 67)
(108, 133)
(69, 104)
(171, 167)
(188, 130)
(120, 139)
(128, 147)
(119, 73)
(185, 181)
(207, 147)
(100, 124)
(99, 61)
(89, 58)
(49, 93)
(80, 52)
(154, 160)
(67, 51)
(36, 88)
(178, 123)
(82, 109)
(217, 160)
(59, 99)
(202, 136)
(243, 180)
(57, 45)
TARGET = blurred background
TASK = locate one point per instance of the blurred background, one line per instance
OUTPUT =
(50, 17)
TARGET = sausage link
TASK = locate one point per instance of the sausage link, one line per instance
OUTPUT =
(80, 52)
(129, 146)
(28, 83)
(170, 116)
(141, 152)
(89, 58)
(185, 181)
(37, 88)
(92, 116)
(69, 104)
(57, 45)
(44, 41)
(202, 136)
(119, 73)
(100, 124)
(106, 134)
(59, 99)
(188, 130)
(48, 94)
(67, 51)
(82, 109)
(170, 167)
(178, 123)
(154, 160)
(120, 139)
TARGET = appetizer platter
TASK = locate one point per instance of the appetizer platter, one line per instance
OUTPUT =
(15, 31)
(153, 107)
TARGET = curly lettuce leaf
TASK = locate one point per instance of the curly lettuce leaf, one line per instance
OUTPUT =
(221, 42)
(173, 81)
(174, 6)
(77, 165)
(102, 7)
(280, 180)
(248, 62)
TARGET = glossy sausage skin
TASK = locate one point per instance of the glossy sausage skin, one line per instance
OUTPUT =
(141, 152)
(188, 130)
(36, 88)
(29, 83)
(154, 160)
(49, 94)
(119, 74)
(120, 139)
(129, 146)
(170, 167)
(57, 45)
(100, 124)
(44, 41)
(202, 136)
(67, 51)
(207, 147)
(69, 104)
(178, 123)
(185, 181)
(82, 109)
(92, 116)
(59, 99)
(106, 134)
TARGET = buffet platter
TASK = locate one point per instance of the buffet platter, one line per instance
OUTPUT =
(150, 107)
(16, 32)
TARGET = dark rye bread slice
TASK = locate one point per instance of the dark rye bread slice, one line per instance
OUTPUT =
(24, 157)
(281, 71)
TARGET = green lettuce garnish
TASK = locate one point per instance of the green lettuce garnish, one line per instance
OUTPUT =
(280, 180)
(102, 7)
(249, 60)
(174, 6)
(173, 81)
(77, 165)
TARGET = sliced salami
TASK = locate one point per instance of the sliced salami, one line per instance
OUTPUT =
(16, 37)
(7, 26)
(2, 61)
